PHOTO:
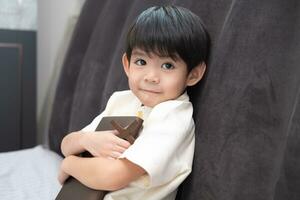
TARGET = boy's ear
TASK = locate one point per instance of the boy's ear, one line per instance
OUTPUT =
(196, 74)
(125, 62)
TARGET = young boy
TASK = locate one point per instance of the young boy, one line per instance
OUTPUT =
(166, 51)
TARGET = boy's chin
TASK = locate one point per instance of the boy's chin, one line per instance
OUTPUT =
(149, 99)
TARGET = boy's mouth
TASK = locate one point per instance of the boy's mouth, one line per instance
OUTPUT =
(150, 91)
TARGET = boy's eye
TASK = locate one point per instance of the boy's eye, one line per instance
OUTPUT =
(140, 62)
(167, 66)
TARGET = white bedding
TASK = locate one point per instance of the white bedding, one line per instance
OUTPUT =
(29, 174)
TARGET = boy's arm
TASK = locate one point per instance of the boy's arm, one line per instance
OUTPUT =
(100, 143)
(71, 144)
(101, 173)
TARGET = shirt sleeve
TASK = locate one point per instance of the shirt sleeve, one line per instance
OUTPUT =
(165, 147)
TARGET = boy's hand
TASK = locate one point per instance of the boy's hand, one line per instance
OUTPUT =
(104, 143)
(62, 176)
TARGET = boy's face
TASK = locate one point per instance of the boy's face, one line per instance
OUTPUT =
(155, 79)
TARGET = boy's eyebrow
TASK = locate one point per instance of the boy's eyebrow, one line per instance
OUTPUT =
(138, 53)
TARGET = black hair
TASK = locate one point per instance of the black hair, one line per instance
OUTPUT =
(170, 31)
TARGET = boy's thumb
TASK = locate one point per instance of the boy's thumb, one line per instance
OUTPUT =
(115, 132)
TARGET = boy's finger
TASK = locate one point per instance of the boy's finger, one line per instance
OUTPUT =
(119, 148)
(115, 154)
(115, 132)
(123, 143)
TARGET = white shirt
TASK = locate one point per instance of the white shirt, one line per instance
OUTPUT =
(164, 148)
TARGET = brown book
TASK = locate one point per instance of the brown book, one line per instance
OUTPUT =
(128, 128)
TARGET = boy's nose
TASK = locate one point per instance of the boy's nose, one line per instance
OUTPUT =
(152, 77)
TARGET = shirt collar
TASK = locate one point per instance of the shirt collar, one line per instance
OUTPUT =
(183, 97)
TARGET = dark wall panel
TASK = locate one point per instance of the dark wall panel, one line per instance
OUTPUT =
(17, 89)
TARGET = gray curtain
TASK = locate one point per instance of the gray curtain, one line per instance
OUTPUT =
(247, 108)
